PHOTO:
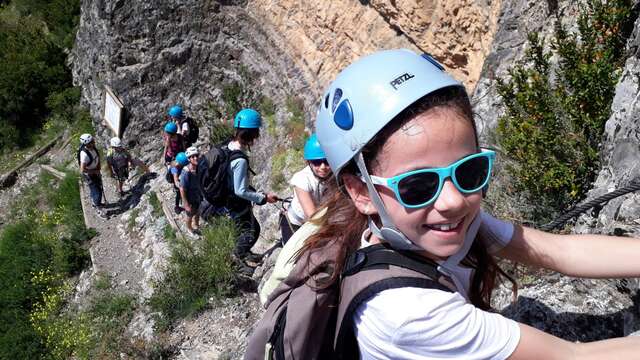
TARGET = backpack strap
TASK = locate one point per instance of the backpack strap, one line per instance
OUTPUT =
(369, 271)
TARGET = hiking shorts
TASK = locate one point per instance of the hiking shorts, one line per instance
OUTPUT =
(195, 207)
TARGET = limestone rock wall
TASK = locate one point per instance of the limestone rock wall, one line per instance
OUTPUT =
(323, 37)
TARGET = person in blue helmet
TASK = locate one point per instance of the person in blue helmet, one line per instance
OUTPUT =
(172, 141)
(246, 125)
(309, 188)
(174, 172)
(186, 126)
(399, 134)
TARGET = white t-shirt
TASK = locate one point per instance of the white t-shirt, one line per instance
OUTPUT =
(417, 323)
(84, 159)
(307, 181)
(185, 128)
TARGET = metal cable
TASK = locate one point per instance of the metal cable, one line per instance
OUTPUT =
(633, 186)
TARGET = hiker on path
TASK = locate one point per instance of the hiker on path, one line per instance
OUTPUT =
(190, 191)
(173, 177)
(89, 161)
(309, 188)
(239, 206)
(172, 141)
(400, 137)
(120, 162)
(186, 125)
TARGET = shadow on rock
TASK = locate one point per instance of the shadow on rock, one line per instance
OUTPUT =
(575, 326)
(133, 196)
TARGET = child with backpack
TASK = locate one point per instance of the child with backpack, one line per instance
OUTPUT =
(309, 187)
(119, 161)
(173, 177)
(404, 261)
(89, 162)
(190, 190)
(187, 127)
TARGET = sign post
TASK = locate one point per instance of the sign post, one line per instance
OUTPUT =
(113, 111)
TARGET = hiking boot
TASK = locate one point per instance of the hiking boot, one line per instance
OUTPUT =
(101, 214)
(178, 210)
(252, 257)
(242, 268)
(194, 232)
(197, 232)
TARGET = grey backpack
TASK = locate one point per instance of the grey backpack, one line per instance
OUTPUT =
(303, 322)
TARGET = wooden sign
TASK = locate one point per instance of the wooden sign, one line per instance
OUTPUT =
(113, 111)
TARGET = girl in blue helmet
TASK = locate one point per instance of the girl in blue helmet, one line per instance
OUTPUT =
(309, 188)
(399, 135)
(173, 176)
(172, 141)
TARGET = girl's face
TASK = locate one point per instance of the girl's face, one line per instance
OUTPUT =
(320, 168)
(436, 138)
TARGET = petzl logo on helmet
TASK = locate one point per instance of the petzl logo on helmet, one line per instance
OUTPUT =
(401, 79)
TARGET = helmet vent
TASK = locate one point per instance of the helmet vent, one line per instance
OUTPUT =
(343, 117)
(337, 95)
(433, 61)
(326, 101)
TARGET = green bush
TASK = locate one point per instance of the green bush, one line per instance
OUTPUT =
(291, 159)
(197, 270)
(554, 120)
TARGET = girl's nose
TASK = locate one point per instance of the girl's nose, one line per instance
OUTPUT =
(450, 198)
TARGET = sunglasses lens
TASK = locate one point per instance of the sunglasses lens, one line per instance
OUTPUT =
(472, 173)
(419, 188)
(319, 162)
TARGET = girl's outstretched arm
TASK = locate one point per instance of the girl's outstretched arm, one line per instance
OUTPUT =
(535, 344)
(591, 256)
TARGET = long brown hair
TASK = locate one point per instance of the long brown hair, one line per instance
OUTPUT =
(342, 225)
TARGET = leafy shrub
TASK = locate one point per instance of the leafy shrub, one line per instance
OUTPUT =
(291, 159)
(554, 119)
(197, 270)
(155, 204)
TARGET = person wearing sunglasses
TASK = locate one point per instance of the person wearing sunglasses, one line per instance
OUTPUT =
(309, 188)
(399, 135)
(190, 191)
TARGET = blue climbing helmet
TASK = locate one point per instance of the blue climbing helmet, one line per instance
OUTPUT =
(368, 94)
(175, 111)
(182, 159)
(247, 119)
(361, 101)
(171, 128)
(312, 149)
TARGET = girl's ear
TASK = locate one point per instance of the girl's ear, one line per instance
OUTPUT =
(359, 194)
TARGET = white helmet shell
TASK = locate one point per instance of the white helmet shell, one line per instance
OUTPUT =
(115, 142)
(86, 139)
(191, 151)
(368, 94)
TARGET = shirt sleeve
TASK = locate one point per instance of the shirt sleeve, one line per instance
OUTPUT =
(240, 169)
(301, 180)
(416, 323)
(496, 233)
(185, 127)
(184, 180)
(84, 158)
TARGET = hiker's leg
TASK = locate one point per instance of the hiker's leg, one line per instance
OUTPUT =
(285, 229)
(177, 192)
(189, 222)
(245, 239)
(95, 190)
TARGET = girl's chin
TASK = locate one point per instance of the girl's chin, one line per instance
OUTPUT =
(440, 251)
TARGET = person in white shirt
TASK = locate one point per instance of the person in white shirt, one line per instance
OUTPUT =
(400, 137)
(309, 188)
(89, 162)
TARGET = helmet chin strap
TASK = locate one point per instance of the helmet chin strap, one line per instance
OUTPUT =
(388, 232)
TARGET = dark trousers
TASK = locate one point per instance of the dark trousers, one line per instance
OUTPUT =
(95, 188)
(178, 197)
(249, 231)
(286, 228)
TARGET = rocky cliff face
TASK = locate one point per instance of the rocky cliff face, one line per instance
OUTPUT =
(323, 37)
(155, 54)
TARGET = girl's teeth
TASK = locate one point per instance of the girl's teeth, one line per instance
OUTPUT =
(445, 227)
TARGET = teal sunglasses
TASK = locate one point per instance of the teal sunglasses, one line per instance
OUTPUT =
(419, 188)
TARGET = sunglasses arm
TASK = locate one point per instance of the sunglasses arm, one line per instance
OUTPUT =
(388, 232)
